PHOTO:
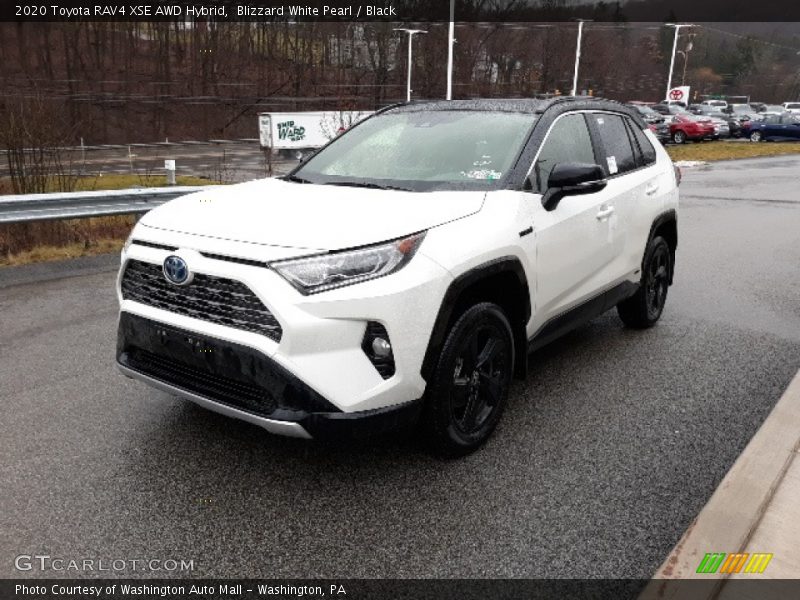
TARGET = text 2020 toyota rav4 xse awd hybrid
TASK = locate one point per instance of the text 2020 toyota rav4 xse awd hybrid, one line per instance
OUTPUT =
(403, 273)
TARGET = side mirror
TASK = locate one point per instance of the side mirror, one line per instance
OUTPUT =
(572, 179)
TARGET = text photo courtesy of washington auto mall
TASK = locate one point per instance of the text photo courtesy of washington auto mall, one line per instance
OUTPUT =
(453, 299)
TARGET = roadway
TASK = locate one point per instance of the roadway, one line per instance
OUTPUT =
(603, 457)
(220, 160)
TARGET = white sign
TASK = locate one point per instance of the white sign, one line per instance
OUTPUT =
(169, 165)
(679, 94)
(304, 130)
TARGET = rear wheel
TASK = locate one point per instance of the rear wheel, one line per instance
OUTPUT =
(755, 136)
(469, 387)
(644, 308)
(679, 137)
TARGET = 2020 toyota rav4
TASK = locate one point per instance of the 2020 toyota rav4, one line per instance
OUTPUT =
(402, 274)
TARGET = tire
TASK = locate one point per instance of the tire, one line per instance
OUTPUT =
(469, 387)
(679, 137)
(644, 308)
(756, 136)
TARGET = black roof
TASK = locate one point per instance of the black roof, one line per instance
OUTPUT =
(519, 105)
(526, 105)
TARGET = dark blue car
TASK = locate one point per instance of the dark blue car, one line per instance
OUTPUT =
(774, 127)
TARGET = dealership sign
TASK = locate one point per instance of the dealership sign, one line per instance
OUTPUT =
(679, 94)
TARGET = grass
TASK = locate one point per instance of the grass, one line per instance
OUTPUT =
(65, 252)
(123, 181)
(724, 150)
(25, 243)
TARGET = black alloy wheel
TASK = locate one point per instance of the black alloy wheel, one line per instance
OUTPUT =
(656, 281)
(468, 391)
(645, 307)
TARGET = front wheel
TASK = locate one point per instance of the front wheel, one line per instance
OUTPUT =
(644, 308)
(755, 136)
(470, 384)
(679, 137)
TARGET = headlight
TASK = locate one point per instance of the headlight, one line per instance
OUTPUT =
(337, 269)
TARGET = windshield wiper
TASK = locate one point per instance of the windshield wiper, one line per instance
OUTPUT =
(366, 184)
(296, 179)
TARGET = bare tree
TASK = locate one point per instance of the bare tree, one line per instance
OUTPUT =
(35, 134)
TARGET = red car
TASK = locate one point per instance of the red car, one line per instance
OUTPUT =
(688, 127)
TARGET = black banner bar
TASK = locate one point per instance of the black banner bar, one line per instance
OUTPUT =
(396, 589)
(401, 10)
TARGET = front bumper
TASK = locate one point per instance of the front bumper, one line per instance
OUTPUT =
(242, 383)
(321, 335)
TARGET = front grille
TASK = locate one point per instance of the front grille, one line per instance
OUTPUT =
(200, 381)
(214, 299)
(232, 374)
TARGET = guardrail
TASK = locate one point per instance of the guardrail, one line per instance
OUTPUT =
(73, 205)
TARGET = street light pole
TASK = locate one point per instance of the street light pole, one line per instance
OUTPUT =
(685, 57)
(450, 41)
(674, 50)
(578, 55)
(411, 33)
(689, 47)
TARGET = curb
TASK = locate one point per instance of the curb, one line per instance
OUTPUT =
(733, 513)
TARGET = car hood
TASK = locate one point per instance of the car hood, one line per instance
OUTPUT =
(274, 212)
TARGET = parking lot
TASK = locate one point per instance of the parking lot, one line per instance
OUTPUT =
(604, 455)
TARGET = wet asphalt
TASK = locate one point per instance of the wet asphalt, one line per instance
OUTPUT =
(604, 455)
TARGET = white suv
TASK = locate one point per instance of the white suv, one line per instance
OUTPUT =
(404, 272)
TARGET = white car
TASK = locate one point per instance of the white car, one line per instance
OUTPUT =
(403, 273)
(793, 107)
(718, 104)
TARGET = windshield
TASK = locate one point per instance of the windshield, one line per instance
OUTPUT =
(423, 151)
(793, 105)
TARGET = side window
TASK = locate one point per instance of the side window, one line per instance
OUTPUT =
(619, 156)
(648, 153)
(567, 141)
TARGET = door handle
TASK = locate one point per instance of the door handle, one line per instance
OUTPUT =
(651, 189)
(605, 213)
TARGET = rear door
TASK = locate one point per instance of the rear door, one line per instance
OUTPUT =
(791, 126)
(634, 180)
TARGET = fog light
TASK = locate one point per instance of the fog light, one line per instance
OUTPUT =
(378, 349)
(381, 347)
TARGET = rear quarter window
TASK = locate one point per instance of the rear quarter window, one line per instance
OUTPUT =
(647, 154)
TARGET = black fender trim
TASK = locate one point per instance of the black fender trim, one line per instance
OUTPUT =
(461, 283)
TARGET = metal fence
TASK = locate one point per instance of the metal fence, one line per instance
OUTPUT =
(72, 205)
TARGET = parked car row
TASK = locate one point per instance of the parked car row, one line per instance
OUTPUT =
(784, 126)
(715, 119)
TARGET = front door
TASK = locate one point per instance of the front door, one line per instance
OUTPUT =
(575, 240)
